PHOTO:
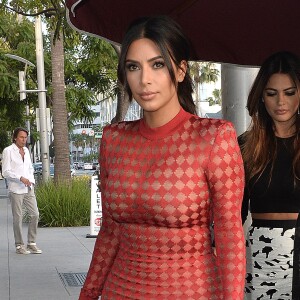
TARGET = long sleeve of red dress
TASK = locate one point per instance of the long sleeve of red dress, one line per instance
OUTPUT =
(161, 190)
(106, 245)
(226, 179)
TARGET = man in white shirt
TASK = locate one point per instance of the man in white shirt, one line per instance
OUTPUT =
(18, 170)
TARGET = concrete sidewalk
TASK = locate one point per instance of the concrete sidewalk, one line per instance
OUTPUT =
(56, 274)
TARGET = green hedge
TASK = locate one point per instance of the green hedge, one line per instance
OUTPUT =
(63, 205)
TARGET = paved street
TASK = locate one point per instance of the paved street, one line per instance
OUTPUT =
(57, 274)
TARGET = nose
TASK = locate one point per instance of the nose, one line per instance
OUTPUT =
(146, 76)
(281, 98)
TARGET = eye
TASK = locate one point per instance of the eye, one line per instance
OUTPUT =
(271, 94)
(159, 64)
(131, 67)
(290, 93)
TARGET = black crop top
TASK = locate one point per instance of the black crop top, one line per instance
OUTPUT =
(279, 195)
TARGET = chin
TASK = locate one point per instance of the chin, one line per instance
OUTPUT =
(150, 110)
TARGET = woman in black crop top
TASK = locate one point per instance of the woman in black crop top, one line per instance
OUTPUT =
(271, 153)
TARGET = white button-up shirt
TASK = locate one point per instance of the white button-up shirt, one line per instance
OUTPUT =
(13, 168)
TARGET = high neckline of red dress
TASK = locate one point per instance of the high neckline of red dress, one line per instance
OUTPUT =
(165, 130)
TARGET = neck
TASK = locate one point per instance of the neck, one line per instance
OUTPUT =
(284, 130)
(284, 135)
(157, 119)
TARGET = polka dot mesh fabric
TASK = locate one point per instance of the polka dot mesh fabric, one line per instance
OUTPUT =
(161, 190)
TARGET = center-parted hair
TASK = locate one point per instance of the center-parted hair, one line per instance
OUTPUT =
(173, 45)
(259, 147)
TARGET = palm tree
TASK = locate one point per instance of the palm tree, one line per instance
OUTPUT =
(78, 142)
(123, 101)
(195, 74)
(216, 97)
(60, 115)
(209, 73)
(202, 72)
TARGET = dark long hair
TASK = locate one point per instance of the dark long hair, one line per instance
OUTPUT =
(260, 146)
(173, 45)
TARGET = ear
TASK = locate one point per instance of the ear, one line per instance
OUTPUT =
(181, 71)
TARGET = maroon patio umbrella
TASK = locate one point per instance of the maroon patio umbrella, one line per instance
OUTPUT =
(241, 32)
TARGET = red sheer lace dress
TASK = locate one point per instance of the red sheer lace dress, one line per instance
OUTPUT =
(161, 190)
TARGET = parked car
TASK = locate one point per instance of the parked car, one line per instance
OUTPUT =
(51, 170)
(95, 166)
(77, 165)
(72, 170)
(38, 166)
(39, 170)
(87, 166)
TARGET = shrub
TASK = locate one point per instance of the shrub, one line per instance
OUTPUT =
(62, 204)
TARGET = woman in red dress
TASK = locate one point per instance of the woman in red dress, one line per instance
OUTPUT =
(165, 179)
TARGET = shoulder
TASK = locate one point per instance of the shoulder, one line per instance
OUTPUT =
(9, 148)
(209, 122)
(116, 129)
(208, 127)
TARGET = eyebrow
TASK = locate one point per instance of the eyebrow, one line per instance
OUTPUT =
(149, 60)
(289, 88)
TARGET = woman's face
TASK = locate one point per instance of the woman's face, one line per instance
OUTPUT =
(149, 79)
(281, 98)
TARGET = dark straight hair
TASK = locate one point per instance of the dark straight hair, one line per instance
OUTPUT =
(260, 140)
(281, 62)
(173, 45)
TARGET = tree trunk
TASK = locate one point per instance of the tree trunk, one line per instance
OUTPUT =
(123, 101)
(122, 107)
(60, 126)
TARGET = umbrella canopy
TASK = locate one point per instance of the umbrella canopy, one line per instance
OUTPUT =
(242, 32)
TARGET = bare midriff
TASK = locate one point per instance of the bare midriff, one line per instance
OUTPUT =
(275, 216)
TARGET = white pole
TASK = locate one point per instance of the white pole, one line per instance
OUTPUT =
(38, 150)
(42, 99)
(236, 82)
(22, 86)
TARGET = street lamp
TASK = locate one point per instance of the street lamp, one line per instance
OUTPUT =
(41, 94)
(22, 86)
(23, 60)
(23, 91)
(42, 98)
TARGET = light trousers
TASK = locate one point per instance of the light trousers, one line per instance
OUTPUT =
(269, 262)
(29, 201)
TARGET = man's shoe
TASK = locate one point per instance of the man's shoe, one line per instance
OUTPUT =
(33, 249)
(20, 249)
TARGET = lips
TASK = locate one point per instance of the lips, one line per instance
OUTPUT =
(280, 111)
(147, 95)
